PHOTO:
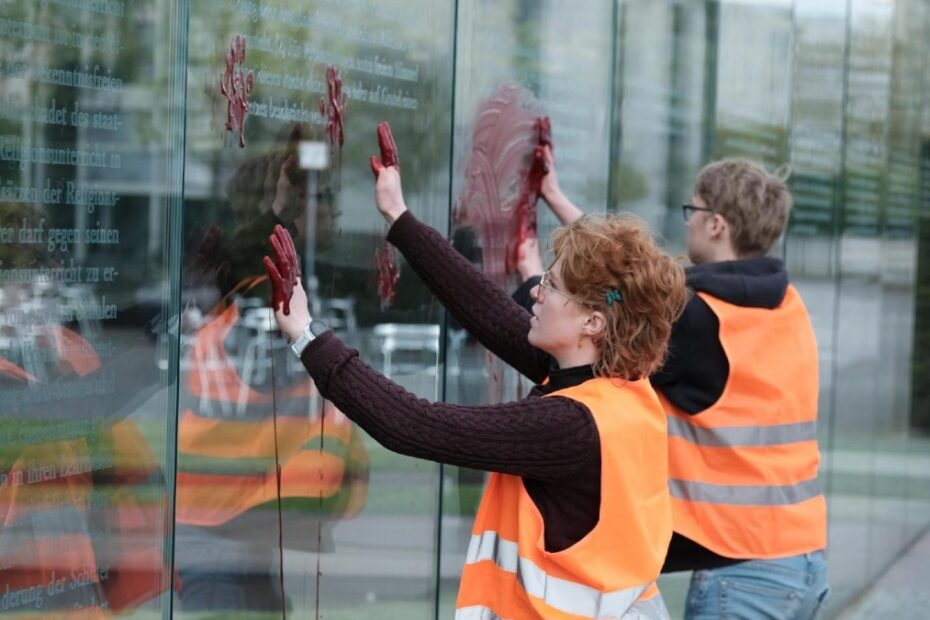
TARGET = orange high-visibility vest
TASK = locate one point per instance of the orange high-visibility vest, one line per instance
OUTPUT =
(743, 473)
(611, 571)
(226, 443)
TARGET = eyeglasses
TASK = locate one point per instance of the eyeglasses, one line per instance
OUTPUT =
(546, 284)
(687, 210)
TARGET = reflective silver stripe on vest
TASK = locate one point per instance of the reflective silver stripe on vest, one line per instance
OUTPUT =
(735, 436)
(762, 495)
(653, 609)
(476, 612)
(564, 595)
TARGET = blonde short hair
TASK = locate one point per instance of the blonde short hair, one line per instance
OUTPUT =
(608, 257)
(754, 202)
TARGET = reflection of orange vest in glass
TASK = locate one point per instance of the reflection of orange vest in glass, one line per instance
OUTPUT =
(45, 535)
(80, 530)
(611, 571)
(743, 473)
(226, 462)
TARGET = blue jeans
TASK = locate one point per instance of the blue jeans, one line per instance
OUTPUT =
(785, 589)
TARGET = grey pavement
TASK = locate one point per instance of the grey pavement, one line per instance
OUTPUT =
(901, 591)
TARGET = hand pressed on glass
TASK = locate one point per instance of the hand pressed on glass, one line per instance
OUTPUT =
(288, 298)
(284, 270)
(388, 150)
(389, 196)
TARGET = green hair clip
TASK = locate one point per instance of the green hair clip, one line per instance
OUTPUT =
(613, 295)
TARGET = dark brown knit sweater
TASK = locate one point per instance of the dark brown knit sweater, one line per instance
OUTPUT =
(552, 442)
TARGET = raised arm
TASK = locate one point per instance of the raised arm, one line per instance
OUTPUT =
(558, 202)
(477, 303)
(539, 438)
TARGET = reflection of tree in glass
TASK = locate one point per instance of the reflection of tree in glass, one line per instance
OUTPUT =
(271, 188)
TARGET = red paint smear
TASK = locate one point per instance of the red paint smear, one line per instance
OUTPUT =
(526, 206)
(503, 175)
(333, 109)
(502, 182)
(388, 273)
(235, 86)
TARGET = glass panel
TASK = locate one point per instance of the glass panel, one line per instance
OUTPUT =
(811, 246)
(898, 271)
(113, 288)
(917, 493)
(667, 90)
(701, 81)
(283, 101)
(860, 297)
(667, 86)
(753, 70)
(89, 145)
(516, 61)
(918, 498)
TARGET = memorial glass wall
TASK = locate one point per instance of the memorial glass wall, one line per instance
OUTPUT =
(163, 453)
(91, 155)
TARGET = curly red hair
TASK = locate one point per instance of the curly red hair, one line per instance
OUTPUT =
(609, 256)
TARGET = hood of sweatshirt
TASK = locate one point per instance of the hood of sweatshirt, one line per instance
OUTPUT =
(751, 282)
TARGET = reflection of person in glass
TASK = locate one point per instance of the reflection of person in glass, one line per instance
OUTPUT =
(247, 408)
(578, 494)
(82, 510)
(750, 518)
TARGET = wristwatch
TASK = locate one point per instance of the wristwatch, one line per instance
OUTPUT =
(313, 329)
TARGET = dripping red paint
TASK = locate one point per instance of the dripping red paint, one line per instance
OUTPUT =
(388, 273)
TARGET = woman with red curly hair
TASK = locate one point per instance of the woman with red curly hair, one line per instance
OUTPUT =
(575, 520)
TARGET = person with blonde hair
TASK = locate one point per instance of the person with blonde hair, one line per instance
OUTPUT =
(575, 519)
(740, 389)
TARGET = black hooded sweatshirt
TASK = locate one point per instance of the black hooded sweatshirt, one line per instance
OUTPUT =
(697, 368)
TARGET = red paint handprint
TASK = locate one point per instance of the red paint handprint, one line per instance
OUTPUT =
(333, 109)
(236, 84)
(284, 270)
(388, 150)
